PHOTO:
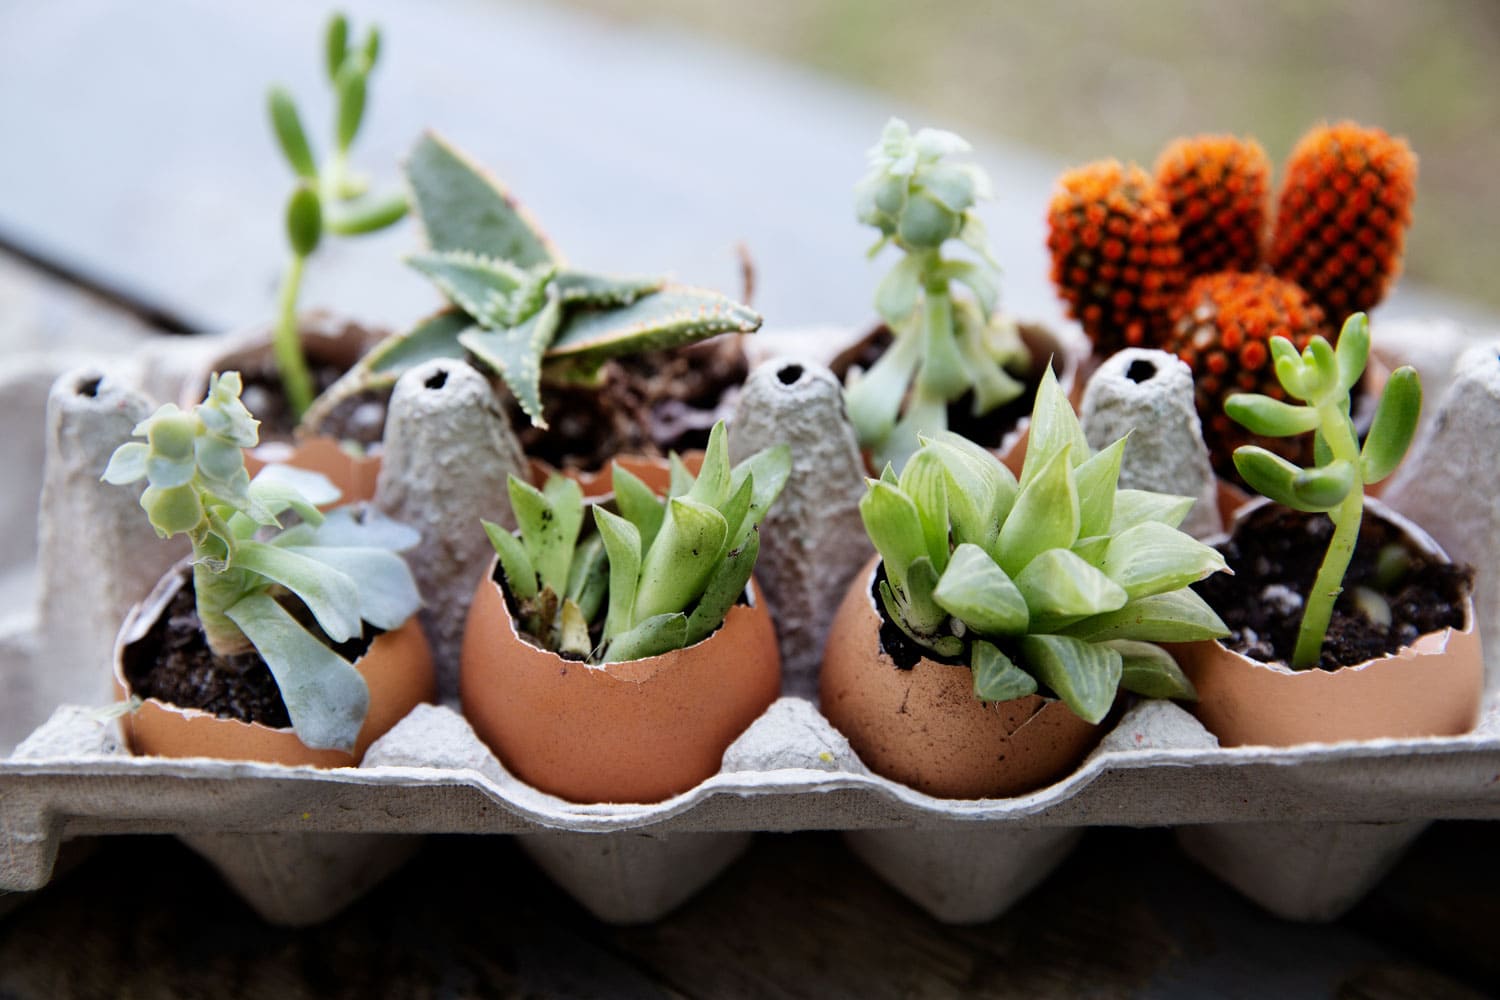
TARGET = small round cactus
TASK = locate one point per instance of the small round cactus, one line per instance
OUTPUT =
(1343, 213)
(1222, 327)
(1115, 254)
(1216, 186)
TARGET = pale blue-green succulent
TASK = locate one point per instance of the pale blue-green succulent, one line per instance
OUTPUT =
(662, 572)
(944, 346)
(517, 307)
(1059, 580)
(1320, 379)
(341, 566)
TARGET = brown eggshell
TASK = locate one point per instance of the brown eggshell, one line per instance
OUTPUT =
(640, 731)
(924, 727)
(1433, 687)
(654, 472)
(397, 667)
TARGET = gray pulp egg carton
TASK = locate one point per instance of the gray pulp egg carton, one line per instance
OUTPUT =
(1303, 831)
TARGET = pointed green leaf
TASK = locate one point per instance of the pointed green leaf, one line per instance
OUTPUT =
(520, 576)
(1059, 584)
(1098, 479)
(1394, 425)
(335, 45)
(977, 592)
(678, 564)
(724, 588)
(919, 601)
(1084, 675)
(1134, 507)
(549, 524)
(640, 505)
(670, 318)
(464, 208)
(768, 471)
(652, 637)
(484, 287)
(1150, 671)
(873, 398)
(350, 89)
(515, 355)
(1044, 517)
(1054, 429)
(682, 478)
(946, 645)
(127, 464)
(1152, 558)
(1091, 549)
(588, 578)
(331, 596)
(996, 678)
(622, 543)
(981, 490)
(925, 482)
(712, 485)
(433, 338)
(387, 593)
(1176, 616)
(587, 289)
(894, 527)
(287, 124)
(993, 385)
(735, 510)
(325, 696)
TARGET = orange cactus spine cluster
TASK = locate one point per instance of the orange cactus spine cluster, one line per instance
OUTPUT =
(1115, 254)
(1222, 327)
(1217, 187)
(1343, 213)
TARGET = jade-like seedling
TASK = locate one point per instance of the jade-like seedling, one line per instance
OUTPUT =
(663, 573)
(329, 198)
(341, 568)
(1061, 579)
(516, 306)
(945, 346)
(1320, 378)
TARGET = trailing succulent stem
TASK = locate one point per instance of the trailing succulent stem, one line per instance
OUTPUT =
(330, 198)
(1059, 579)
(662, 572)
(944, 347)
(1321, 378)
(342, 568)
(516, 307)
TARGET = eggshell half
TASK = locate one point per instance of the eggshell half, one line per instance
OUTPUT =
(924, 727)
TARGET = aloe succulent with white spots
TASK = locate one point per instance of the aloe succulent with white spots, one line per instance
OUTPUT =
(342, 567)
(1059, 580)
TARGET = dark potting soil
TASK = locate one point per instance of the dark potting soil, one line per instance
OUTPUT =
(648, 404)
(266, 400)
(987, 430)
(1275, 554)
(173, 663)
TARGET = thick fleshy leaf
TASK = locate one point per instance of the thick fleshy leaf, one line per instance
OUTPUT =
(640, 505)
(925, 416)
(768, 469)
(1152, 558)
(1060, 584)
(286, 487)
(724, 588)
(712, 484)
(1084, 675)
(463, 208)
(919, 602)
(977, 592)
(1176, 616)
(588, 578)
(515, 355)
(946, 645)
(1149, 670)
(387, 593)
(520, 575)
(678, 564)
(573, 630)
(925, 482)
(981, 490)
(1353, 350)
(873, 398)
(652, 637)
(674, 316)
(549, 523)
(331, 595)
(1312, 490)
(1054, 429)
(1134, 507)
(993, 386)
(1091, 549)
(894, 527)
(1045, 515)
(487, 288)
(681, 479)
(943, 374)
(1269, 417)
(735, 509)
(127, 464)
(896, 296)
(622, 544)
(325, 696)
(1097, 480)
(586, 288)
(1393, 426)
(996, 677)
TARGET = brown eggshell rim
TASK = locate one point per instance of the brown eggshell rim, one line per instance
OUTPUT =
(596, 483)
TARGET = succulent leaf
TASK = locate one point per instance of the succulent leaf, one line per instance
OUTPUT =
(622, 543)
(515, 354)
(656, 635)
(520, 575)
(1085, 675)
(996, 677)
(977, 591)
(463, 208)
(1176, 616)
(724, 588)
(1134, 507)
(1045, 515)
(1149, 670)
(599, 290)
(686, 551)
(672, 317)
(1394, 425)
(641, 507)
(1152, 558)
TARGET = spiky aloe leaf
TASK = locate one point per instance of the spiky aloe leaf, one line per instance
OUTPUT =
(495, 292)
(464, 208)
(515, 354)
(670, 318)
(585, 288)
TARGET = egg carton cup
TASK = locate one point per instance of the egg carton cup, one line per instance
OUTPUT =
(1304, 831)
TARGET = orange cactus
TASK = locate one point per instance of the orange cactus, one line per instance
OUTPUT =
(1115, 255)
(1217, 185)
(1222, 327)
(1343, 214)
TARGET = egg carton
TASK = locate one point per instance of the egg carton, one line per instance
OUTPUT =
(1303, 831)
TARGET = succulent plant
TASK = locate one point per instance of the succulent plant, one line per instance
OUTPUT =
(1344, 210)
(1320, 379)
(342, 567)
(1222, 327)
(1216, 187)
(1060, 580)
(1116, 258)
(330, 198)
(944, 347)
(517, 308)
(663, 571)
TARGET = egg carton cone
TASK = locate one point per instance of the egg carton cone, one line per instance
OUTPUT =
(301, 842)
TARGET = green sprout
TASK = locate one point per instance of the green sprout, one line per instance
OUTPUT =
(1059, 579)
(329, 198)
(663, 571)
(944, 346)
(516, 307)
(341, 567)
(1321, 378)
